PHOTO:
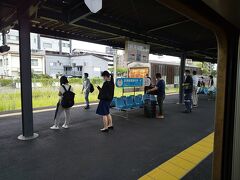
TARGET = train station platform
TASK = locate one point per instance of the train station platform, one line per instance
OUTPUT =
(136, 145)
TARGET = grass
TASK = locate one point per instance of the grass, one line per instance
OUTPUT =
(47, 96)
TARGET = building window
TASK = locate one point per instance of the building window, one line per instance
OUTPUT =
(6, 61)
(67, 69)
(34, 62)
(47, 45)
(65, 45)
(79, 68)
(1, 62)
(12, 37)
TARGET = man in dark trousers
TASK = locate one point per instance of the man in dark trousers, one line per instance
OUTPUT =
(188, 89)
(160, 88)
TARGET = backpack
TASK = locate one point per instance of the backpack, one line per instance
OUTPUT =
(91, 88)
(67, 98)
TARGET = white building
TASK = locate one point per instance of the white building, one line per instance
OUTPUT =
(89, 63)
(108, 55)
(10, 64)
(52, 57)
(57, 65)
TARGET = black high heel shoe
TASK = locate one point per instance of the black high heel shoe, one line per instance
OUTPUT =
(111, 127)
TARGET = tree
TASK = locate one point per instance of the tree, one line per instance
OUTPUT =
(120, 71)
(207, 68)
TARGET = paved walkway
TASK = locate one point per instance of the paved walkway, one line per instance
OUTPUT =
(135, 147)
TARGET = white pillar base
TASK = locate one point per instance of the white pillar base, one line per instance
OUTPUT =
(23, 138)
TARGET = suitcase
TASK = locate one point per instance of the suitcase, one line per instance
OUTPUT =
(150, 108)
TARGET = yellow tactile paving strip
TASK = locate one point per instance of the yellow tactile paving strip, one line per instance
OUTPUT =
(178, 166)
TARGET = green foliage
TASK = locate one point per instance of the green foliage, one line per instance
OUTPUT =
(46, 82)
(96, 81)
(214, 73)
(75, 80)
(207, 68)
(6, 82)
(48, 95)
(120, 71)
(41, 76)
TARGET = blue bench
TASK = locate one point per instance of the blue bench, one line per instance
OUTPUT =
(138, 101)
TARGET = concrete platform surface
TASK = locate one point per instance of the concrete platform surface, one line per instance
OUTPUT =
(133, 148)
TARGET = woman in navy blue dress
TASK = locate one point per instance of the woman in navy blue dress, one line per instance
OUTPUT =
(106, 93)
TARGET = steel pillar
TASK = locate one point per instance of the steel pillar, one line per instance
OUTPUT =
(25, 76)
(181, 77)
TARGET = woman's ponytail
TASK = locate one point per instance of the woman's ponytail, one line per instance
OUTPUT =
(112, 78)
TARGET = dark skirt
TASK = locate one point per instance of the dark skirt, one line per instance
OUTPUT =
(103, 107)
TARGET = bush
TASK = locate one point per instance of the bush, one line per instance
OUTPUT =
(46, 82)
(6, 82)
(96, 81)
(41, 76)
(75, 80)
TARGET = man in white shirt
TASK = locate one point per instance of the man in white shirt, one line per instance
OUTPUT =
(195, 88)
(86, 89)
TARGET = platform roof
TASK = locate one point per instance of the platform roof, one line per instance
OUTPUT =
(146, 21)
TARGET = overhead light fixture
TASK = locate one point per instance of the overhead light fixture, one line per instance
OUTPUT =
(4, 47)
(94, 5)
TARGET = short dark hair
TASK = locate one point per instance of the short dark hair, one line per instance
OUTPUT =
(187, 71)
(194, 72)
(158, 75)
(63, 80)
(85, 74)
(211, 76)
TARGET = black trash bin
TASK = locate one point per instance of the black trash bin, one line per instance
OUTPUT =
(150, 108)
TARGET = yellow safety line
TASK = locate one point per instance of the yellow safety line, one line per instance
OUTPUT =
(178, 166)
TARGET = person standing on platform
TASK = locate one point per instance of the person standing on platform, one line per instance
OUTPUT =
(86, 89)
(106, 93)
(195, 89)
(64, 90)
(160, 88)
(147, 83)
(188, 90)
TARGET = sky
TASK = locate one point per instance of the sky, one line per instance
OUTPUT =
(101, 48)
(88, 46)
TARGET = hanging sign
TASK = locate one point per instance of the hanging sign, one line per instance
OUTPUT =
(136, 52)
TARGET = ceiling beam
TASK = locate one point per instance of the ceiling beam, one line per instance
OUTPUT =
(117, 23)
(169, 25)
(75, 36)
(79, 17)
(11, 19)
(111, 38)
(94, 25)
(78, 12)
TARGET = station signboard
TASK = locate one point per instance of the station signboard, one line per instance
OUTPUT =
(137, 52)
(129, 82)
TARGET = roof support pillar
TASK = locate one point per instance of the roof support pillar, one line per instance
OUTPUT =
(25, 75)
(60, 46)
(4, 39)
(181, 77)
